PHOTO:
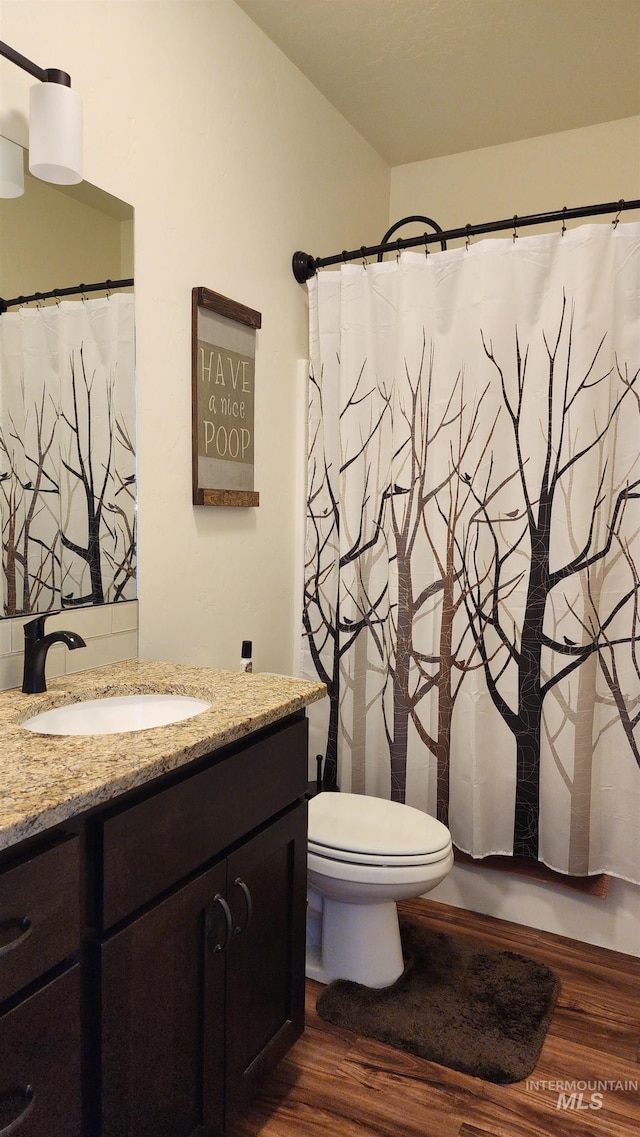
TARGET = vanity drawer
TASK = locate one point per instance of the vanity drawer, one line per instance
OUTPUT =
(39, 914)
(40, 1062)
(150, 846)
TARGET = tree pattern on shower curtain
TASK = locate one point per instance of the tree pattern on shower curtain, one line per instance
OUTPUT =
(472, 595)
(67, 459)
(564, 456)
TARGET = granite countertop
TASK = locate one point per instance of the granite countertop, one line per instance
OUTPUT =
(47, 779)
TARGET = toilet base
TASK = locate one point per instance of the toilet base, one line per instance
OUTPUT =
(360, 942)
(313, 968)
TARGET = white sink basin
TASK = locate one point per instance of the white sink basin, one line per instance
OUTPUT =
(116, 715)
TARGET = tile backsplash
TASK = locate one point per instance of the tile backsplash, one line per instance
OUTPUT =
(110, 632)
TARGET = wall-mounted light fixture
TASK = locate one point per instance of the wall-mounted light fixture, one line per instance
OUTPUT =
(55, 123)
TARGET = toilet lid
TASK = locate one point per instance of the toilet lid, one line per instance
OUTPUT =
(359, 828)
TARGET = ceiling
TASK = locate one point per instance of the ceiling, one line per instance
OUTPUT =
(424, 78)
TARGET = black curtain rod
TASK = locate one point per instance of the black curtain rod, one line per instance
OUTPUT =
(305, 266)
(77, 290)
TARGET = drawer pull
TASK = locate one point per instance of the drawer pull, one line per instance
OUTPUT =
(25, 1093)
(25, 928)
(228, 928)
(247, 899)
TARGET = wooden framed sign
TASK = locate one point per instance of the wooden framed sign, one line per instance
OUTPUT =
(223, 352)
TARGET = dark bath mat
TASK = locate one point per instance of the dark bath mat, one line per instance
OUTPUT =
(459, 1003)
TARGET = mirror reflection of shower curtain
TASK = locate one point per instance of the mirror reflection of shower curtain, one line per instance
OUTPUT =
(472, 580)
(67, 454)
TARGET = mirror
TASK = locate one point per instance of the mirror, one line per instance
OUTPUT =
(67, 401)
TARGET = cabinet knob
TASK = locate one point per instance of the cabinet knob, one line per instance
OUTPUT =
(24, 1093)
(239, 883)
(217, 945)
(24, 928)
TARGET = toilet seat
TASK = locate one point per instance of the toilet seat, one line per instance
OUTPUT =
(384, 860)
(391, 868)
(379, 874)
(359, 830)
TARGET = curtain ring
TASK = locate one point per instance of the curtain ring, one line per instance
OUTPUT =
(515, 223)
(467, 240)
(345, 258)
(617, 216)
(564, 227)
(364, 256)
(426, 246)
(398, 248)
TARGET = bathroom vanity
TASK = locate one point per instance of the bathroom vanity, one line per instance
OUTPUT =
(152, 908)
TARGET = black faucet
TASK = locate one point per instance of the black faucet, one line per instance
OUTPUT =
(36, 646)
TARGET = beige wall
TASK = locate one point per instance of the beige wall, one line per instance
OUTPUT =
(580, 167)
(50, 240)
(573, 168)
(232, 161)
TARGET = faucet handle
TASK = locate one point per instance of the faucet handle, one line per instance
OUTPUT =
(34, 629)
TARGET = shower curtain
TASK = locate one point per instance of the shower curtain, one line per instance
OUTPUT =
(67, 458)
(472, 560)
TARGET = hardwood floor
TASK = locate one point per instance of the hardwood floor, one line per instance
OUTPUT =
(335, 1084)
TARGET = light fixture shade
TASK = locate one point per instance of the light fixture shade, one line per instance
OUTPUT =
(11, 169)
(55, 134)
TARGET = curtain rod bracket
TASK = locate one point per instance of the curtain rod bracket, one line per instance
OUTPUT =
(304, 266)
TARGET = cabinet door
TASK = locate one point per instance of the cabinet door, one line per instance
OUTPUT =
(163, 1016)
(265, 960)
(40, 1062)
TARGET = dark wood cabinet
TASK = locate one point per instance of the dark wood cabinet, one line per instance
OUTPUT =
(152, 954)
(163, 1019)
(205, 991)
(40, 993)
(40, 1061)
(39, 913)
(150, 845)
(264, 1012)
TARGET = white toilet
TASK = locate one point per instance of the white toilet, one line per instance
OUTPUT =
(364, 854)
